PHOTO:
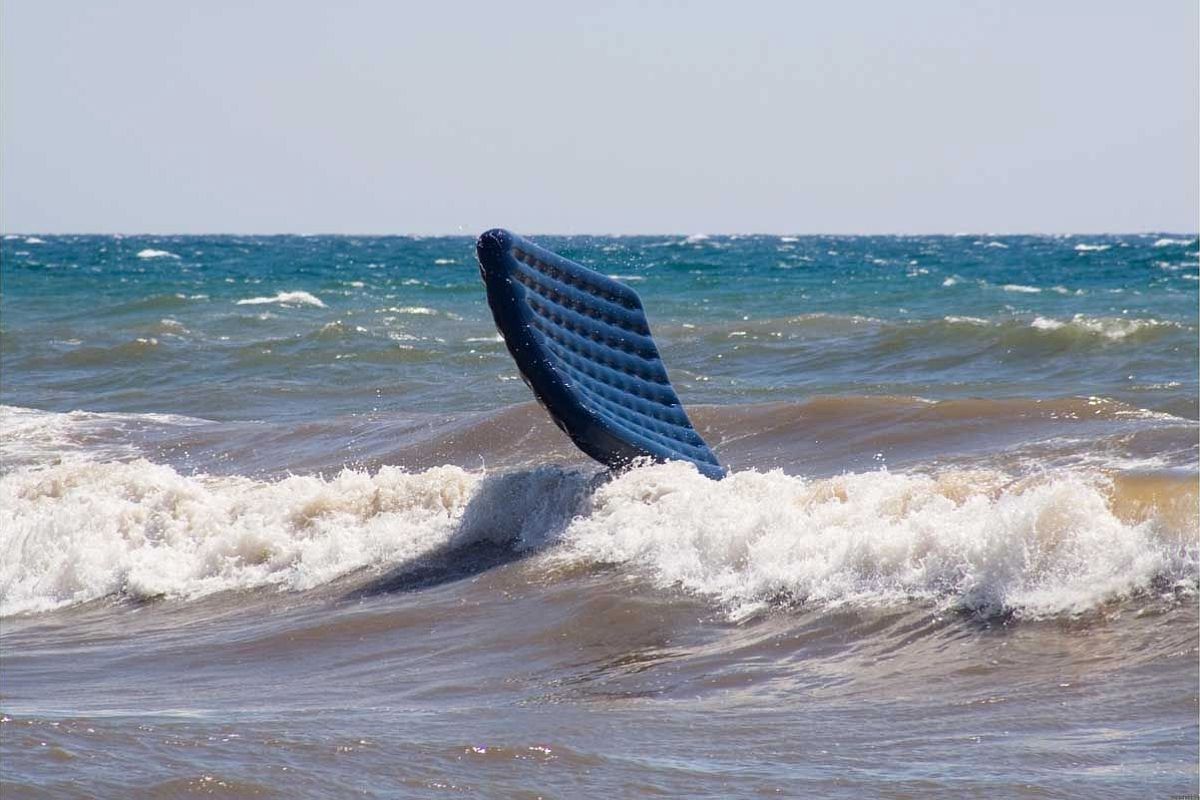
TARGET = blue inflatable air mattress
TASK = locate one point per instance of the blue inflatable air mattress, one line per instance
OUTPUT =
(583, 345)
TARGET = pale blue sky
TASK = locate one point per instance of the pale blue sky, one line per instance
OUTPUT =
(785, 117)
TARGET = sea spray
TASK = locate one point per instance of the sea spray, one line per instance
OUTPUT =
(973, 540)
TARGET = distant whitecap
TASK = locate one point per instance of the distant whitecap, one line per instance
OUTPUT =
(285, 298)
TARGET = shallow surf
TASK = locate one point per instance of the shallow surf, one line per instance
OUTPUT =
(279, 519)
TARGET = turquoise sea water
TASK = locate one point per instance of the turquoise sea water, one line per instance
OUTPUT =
(279, 518)
(308, 327)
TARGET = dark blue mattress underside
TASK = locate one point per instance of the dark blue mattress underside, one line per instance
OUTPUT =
(582, 343)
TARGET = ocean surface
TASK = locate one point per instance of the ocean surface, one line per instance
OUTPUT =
(278, 518)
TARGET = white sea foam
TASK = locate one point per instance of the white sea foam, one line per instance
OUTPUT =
(963, 539)
(1114, 328)
(1092, 248)
(444, 261)
(1000, 245)
(32, 436)
(81, 531)
(78, 531)
(34, 240)
(789, 238)
(149, 253)
(1047, 324)
(400, 336)
(1017, 287)
(951, 281)
(285, 299)
(696, 238)
(1172, 242)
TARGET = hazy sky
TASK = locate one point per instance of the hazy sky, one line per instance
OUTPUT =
(784, 117)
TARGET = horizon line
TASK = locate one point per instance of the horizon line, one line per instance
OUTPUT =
(8, 235)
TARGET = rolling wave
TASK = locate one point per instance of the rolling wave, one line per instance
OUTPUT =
(979, 541)
(1032, 333)
(824, 435)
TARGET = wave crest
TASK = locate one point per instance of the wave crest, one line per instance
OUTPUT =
(297, 298)
(1111, 328)
(78, 532)
(967, 539)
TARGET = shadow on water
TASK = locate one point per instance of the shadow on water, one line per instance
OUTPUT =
(510, 517)
(445, 565)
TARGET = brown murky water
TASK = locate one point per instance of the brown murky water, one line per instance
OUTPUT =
(950, 629)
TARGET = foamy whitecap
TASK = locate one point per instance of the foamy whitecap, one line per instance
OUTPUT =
(34, 240)
(172, 326)
(1047, 324)
(150, 253)
(74, 532)
(284, 299)
(32, 436)
(1017, 287)
(1114, 328)
(400, 336)
(963, 540)
(1172, 242)
(1092, 248)
(80, 531)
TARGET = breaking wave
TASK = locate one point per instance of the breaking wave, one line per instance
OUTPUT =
(1111, 328)
(980, 541)
(285, 298)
